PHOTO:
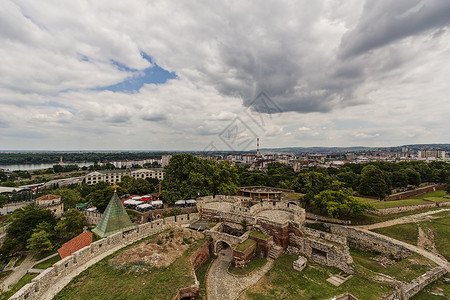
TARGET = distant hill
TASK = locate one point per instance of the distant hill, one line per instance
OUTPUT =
(299, 150)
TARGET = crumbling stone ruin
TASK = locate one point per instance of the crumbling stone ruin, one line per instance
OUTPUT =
(282, 221)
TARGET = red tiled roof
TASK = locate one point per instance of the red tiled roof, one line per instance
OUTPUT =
(82, 240)
(49, 197)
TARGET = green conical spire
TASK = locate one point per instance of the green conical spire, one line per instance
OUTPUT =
(114, 219)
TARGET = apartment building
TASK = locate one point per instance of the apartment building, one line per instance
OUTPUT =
(114, 176)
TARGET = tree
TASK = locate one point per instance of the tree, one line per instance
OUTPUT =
(70, 197)
(350, 179)
(399, 179)
(140, 187)
(24, 220)
(188, 176)
(414, 177)
(3, 200)
(39, 242)
(313, 182)
(373, 182)
(340, 203)
(71, 224)
(100, 198)
(3, 176)
(447, 187)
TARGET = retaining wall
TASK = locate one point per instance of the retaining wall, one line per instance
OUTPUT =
(40, 284)
(369, 242)
(408, 290)
(416, 192)
(401, 209)
(311, 216)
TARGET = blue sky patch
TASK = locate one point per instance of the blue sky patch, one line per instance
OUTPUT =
(154, 74)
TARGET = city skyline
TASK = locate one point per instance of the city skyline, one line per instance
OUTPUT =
(189, 75)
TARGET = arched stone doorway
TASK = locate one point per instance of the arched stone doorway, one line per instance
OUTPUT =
(221, 245)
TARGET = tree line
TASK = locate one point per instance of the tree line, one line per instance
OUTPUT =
(53, 157)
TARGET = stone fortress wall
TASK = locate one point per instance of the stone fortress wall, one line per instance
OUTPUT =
(370, 242)
(92, 218)
(238, 212)
(41, 283)
(321, 247)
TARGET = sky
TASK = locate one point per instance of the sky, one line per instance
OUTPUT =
(217, 75)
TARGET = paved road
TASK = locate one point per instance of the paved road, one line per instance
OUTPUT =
(402, 220)
(221, 285)
(10, 207)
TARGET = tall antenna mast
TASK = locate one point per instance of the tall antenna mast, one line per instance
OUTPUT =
(257, 146)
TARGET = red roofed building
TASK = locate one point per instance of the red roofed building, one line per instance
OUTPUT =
(82, 240)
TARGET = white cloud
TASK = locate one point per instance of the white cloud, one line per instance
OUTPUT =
(315, 60)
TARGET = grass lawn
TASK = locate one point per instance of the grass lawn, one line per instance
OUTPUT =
(102, 281)
(388, 204)
(293, 196)
(438, 290)
(12, 262)
(133, 212)
(441, 227)
(47, 263)
(44, 254)
(201, 276)
(20, 261)
(254, 264)
(283, 282)
(259, 235)
(4, 274)
(22, 281)
(404, 270)
(435, 194)
(366, 200)
(371, 219)
(245, 245)
(404, 232)
(439, 224)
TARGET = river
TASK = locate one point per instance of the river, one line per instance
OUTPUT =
(27, 167)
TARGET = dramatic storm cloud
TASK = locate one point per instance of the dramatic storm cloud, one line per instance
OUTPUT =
(186, 74)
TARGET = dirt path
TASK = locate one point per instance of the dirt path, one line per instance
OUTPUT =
(402, 220)
(17, 273)
(221, 285)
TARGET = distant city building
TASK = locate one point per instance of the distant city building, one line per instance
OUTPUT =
(113, 176)
(431, 153)
(131, 163)
(165, 160)
(51, 202)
